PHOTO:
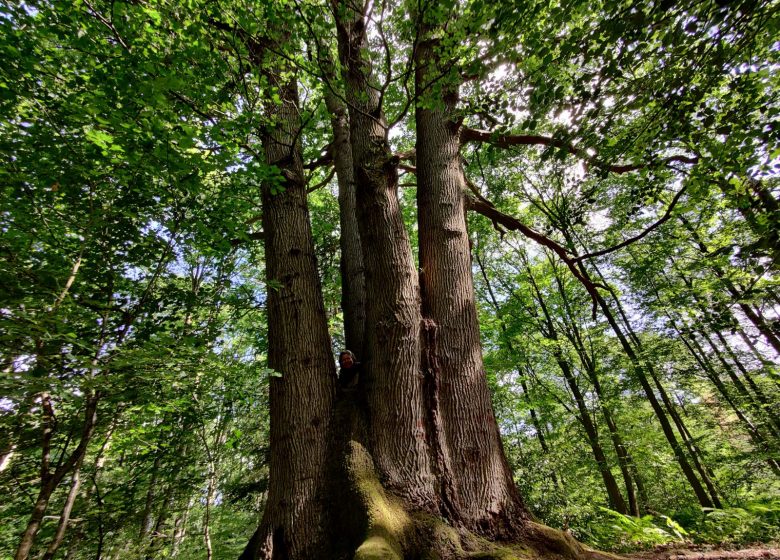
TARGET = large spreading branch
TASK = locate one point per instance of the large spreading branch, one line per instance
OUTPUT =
(482, 206)
(640, 235)
(509, 140)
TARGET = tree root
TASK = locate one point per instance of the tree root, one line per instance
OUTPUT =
(373, 524)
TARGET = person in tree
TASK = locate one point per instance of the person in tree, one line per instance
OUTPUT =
(349, 370)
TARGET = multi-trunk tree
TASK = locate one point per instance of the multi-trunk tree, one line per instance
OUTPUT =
(422, 365)
(192, 116)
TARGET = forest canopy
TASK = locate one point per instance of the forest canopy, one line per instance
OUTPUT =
(547, 231)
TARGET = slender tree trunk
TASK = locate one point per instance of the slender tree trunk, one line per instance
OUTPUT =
(647, 370)
(207, 513)
(6, 456)
(701, 495)
(708, 314)
(157, 534)
(146, 518)
(759, 207)
(539, 430)
(746, 395)
(524, 386)
(753, 316)
(766, 403)
(698, 353)
(67, 508)
(625, 461)
(51, 480)
(682, 429)
(758, 439)
(616, 501)
(100, 460)
(757, 354)
(180, 530)
(34, 524)
(353, 283)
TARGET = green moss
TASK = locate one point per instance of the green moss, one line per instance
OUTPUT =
(385, 530)
(377, 548)
(388, 522)
(493, 551)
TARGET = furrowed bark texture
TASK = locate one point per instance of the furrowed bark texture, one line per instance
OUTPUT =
(353, 284)
(392, 376)
(485, 498)
(301, 399)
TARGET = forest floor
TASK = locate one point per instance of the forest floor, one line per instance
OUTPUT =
(708, 552)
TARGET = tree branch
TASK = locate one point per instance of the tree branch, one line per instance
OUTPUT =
(324, 182)
(251, 236)
(110, 25)
(508, 140)
(637, 237)
(325, 159)
(513, 224)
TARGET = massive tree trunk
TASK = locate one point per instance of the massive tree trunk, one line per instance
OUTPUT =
(387, 465)
(391, 355)
(301, 398)
(484, 494)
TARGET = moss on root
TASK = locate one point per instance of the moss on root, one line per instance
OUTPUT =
(393, 533)
(388, 522)
(375, 525)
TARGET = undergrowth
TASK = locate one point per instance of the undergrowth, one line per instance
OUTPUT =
(751, 522)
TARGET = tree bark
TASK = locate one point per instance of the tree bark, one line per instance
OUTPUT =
(701, 495)
(388, 439)
(625, 461)
(392, 348)
(301, 398)
(758, 439)
(616, 501)
(353, 283)
(484, 491)
(51, 480)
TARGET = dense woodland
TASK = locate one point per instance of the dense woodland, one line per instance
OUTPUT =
(563, 215)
